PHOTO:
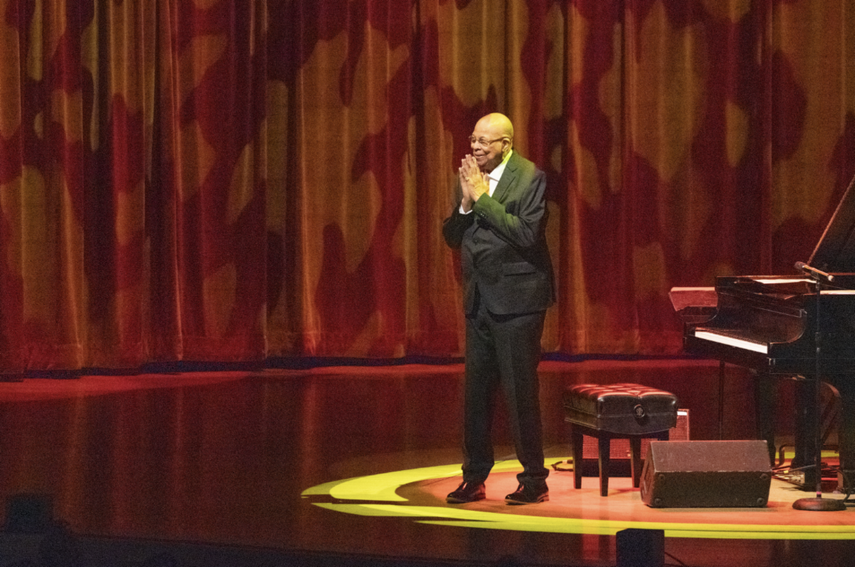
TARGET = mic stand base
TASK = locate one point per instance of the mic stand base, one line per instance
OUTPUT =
(819, 504)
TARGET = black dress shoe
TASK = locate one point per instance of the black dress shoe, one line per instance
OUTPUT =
(528, 495)
(467, 492)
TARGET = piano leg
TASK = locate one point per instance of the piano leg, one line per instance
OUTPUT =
(765, 400)
(804, 434)
(846, 432)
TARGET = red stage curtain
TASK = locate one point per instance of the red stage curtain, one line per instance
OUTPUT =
(226, 181)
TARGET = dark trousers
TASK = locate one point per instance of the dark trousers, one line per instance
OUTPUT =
(503, 351)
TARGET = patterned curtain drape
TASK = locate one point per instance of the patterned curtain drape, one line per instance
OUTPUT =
(211, 180)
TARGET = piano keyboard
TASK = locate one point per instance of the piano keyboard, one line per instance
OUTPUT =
(736, 342)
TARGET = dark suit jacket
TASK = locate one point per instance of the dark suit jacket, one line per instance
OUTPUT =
(503, 248)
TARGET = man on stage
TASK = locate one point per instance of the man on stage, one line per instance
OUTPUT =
(498, 222)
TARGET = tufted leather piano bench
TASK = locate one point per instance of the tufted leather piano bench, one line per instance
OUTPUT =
(616, 411)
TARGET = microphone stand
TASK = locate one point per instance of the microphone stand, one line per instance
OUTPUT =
(817, 504)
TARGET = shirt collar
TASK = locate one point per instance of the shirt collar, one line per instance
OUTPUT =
(496, 174)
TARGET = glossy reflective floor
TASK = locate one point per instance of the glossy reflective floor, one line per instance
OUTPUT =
(317, 465)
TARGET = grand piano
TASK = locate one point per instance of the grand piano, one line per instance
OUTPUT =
(796, 327)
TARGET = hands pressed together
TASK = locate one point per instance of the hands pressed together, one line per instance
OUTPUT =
(473, 182)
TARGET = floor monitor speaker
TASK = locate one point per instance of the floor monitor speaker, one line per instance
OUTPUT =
(689, 474)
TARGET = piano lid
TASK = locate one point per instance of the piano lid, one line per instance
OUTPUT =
(835, 251)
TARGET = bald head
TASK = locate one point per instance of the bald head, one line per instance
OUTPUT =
(498, 124)
(491, 140)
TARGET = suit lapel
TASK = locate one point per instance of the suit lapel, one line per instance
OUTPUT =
(508, 179)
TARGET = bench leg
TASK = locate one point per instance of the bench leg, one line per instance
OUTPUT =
(635, 460)
(604, 448)
(576, 441)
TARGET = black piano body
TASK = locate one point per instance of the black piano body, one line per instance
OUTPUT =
(798, 327)
(769, 324)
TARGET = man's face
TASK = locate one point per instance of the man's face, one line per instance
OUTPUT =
(487, 144)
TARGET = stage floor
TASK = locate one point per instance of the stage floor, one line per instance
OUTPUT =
(351, 464)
